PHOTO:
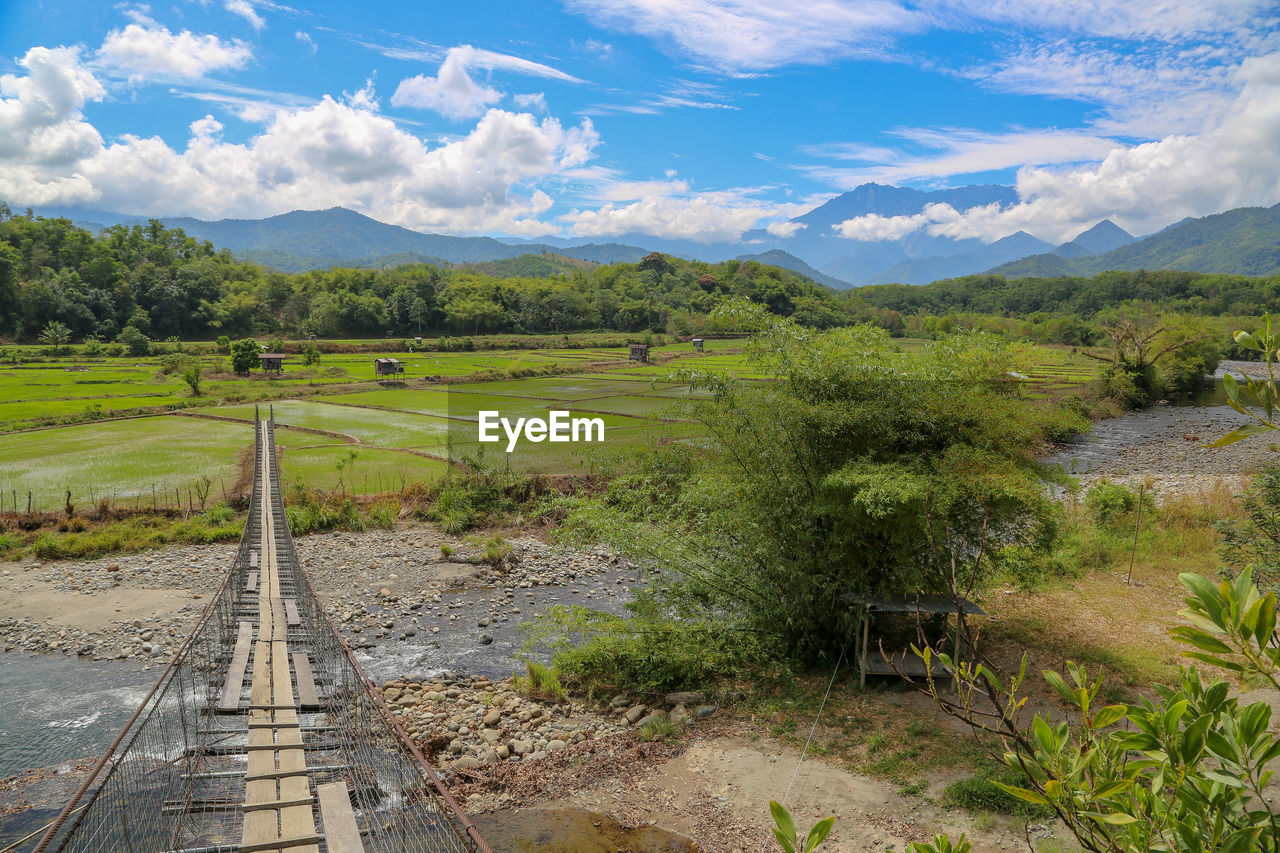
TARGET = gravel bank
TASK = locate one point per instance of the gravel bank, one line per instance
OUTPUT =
(1165, 444)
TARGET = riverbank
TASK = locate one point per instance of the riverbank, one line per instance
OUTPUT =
(1164, 446)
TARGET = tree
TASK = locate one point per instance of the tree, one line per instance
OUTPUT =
(310, 354)
(223, 344)
(138, 343)
(56, 335)
(858, 470)
(244, 356)
(192, 372)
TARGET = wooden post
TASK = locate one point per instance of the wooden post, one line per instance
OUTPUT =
(28, 502)
(153, 497)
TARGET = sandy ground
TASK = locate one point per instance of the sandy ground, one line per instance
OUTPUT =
(97, 613)
(717, 792)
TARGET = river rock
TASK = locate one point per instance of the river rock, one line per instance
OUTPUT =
(634, 714)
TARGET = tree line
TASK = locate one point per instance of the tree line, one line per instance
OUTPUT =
(149, 280)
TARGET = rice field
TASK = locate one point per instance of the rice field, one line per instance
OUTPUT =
(400, 431)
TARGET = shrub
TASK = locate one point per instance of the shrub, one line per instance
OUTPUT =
(1107, 502)
(223, 344)
(137, 343)
(600, 652)
(244, 356)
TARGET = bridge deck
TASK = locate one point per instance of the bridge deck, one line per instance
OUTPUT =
(263, 735)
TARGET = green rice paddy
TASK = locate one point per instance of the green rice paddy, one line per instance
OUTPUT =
(399, 431)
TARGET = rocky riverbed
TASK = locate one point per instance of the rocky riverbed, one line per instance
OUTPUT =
(1165, 446)
(465, 723)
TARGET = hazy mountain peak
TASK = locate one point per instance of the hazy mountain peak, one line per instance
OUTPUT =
(1098, 240)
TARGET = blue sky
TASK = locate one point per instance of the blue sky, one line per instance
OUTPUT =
(604, 118)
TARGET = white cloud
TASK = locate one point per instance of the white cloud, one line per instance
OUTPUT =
(534, 102)
(671, 211)
(753, 35)
(245, 10)
(43, 135)
(153, 51)
(785, 230)
(315, 156)
(306, 39)
(1233, 163)
(453, 93)
(950, 151)
(1136, 19)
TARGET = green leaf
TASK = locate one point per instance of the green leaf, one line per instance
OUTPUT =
(1108, 716)
(788, 844)
(1241, 841)
(1022, 794)
(1241, 433)
(782, 820)
(818, 834)
(1200, 639)
(1113, 818)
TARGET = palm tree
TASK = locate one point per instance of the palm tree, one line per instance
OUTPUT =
(56, 335)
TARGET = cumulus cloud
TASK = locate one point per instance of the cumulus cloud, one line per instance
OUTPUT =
(785, 230)
(1233, 163)
(42, 131)
(454, 94)
(312, 156)
(670, 210)
(151, 50)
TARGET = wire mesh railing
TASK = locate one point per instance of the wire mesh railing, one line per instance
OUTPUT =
(175, 777)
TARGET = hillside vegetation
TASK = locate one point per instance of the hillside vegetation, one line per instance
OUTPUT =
(163, 283)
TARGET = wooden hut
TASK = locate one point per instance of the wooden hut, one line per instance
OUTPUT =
(639, 352)
(697, 344)
(387, 367)
(915, 608)
(272, 362)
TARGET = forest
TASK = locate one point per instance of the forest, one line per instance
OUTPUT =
(165, 284)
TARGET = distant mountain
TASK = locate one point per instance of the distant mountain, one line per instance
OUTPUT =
(925, 270)
(901, 201)
(779, 258)
(316, 239)
(1101, 238)
(1244, 241)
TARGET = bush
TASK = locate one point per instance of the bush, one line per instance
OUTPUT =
(223, 344)
(1108, 502)
(114, 350)
(137, 343)
(601, 652)
(244, 356)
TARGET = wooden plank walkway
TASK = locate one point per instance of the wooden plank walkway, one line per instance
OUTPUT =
(278, 804)
(341, 834)
(235, 673)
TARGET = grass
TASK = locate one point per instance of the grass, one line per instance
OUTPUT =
(540, 682)
(123, 459)
(81, 538)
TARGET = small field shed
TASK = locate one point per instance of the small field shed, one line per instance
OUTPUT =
(272, 361)
(387, 367)
(639, 352)
(916, 609)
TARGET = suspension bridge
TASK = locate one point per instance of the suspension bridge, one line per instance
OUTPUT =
(263, 734)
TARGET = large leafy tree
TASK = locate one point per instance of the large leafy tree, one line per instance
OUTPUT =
(856, 469)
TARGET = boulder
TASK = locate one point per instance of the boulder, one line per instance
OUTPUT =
(633, 714)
